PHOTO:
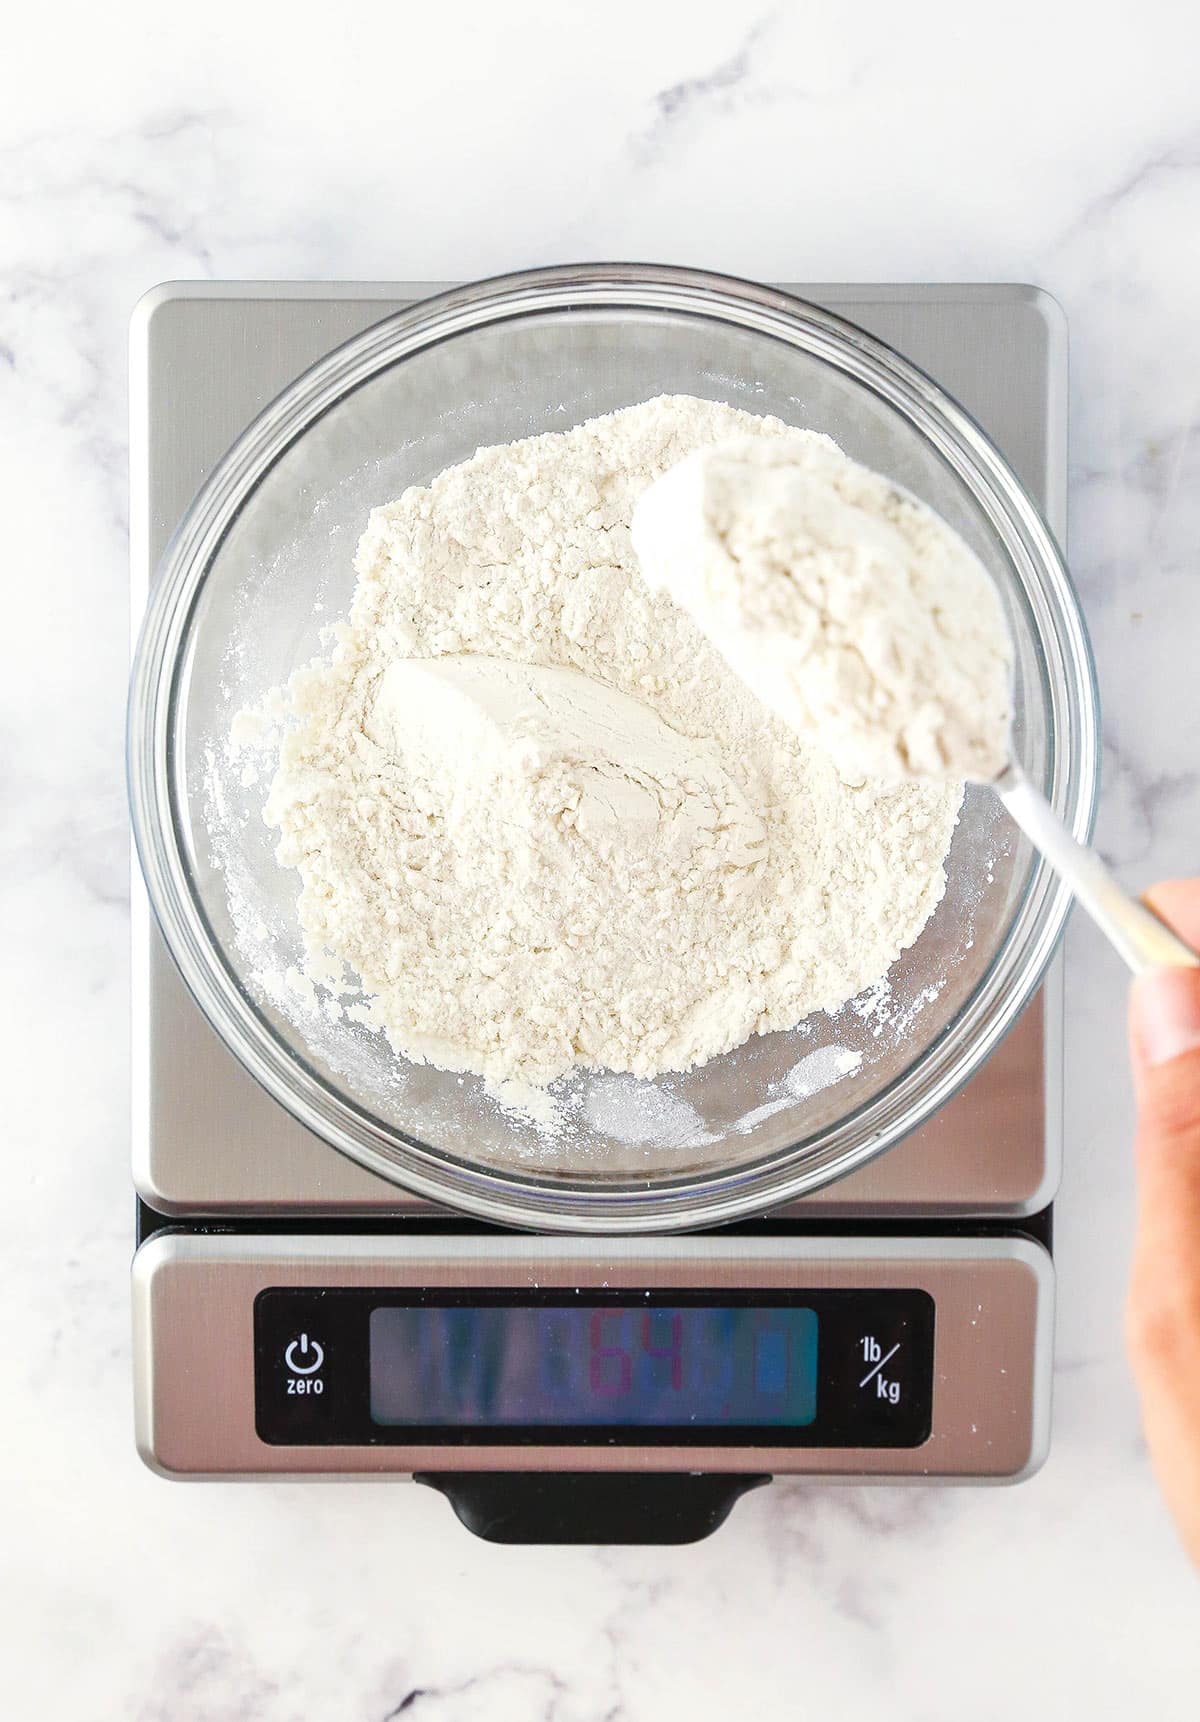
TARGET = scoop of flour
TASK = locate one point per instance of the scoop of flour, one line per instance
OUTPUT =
(854, 611)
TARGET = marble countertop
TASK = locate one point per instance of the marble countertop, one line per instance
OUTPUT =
(445, 142)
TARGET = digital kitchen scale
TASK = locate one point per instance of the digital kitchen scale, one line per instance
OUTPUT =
(295, 1315)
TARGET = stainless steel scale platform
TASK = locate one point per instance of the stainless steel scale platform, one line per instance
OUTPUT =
(239, 1200)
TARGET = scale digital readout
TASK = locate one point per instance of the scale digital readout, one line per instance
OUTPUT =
(664, 1364)
(823, 1368)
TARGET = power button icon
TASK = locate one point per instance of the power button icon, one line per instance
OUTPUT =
(304, 1356)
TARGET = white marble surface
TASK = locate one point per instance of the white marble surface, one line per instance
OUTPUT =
(919, 142)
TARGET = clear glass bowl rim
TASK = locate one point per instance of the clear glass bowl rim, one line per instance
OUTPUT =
(567, 1202)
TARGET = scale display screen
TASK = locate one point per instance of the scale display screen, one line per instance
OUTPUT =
(434, 1367)
(664, 1365)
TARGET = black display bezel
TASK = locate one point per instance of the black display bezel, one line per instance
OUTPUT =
(341, 1416)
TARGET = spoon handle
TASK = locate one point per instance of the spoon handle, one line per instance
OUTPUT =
(1135, 931)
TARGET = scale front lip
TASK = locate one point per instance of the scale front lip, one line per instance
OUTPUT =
(194, 1346)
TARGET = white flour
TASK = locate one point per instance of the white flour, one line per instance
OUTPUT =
(815, 1071)
(854, 611)
(539, 824)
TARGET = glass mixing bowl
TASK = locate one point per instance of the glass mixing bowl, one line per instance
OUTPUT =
(262, 563)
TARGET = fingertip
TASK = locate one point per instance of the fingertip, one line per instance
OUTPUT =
(1164, 1015)
(1177, 902)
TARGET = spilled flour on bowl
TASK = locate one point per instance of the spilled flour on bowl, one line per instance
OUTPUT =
(539, 825)
(819, 1069)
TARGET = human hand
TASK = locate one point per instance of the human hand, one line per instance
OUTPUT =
(1163, 1310)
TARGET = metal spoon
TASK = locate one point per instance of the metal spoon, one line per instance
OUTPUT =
(1135, 931)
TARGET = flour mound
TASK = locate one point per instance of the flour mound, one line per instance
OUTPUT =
(539, 824)
(860, 617)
